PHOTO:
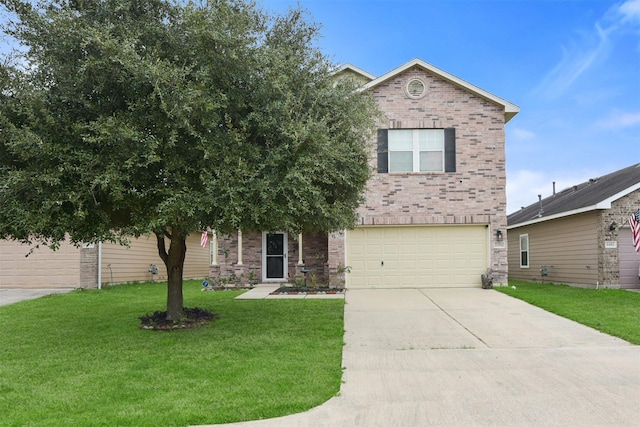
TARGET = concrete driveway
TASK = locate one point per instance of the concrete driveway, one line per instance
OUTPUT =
(13, 295)
(473, 357)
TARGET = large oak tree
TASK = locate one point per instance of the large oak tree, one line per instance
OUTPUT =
(120, 118)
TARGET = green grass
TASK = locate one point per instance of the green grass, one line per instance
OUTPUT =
(612, 311)
(80, 359)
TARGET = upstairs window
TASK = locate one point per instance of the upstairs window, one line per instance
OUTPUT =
(416, 150)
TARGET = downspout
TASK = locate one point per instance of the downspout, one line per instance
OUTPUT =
(100, 264)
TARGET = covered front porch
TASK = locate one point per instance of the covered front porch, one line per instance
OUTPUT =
(249, 257)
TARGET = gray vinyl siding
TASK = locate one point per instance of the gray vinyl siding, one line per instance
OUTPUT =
(196, 263)
(43, 268)
(131, 264)
(63, 268)
(568, 245)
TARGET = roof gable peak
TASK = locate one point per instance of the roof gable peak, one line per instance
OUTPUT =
(345, 68)
(510, 109)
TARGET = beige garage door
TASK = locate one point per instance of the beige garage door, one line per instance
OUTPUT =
(416, 256)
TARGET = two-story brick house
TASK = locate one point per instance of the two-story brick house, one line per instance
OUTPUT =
(435, 210)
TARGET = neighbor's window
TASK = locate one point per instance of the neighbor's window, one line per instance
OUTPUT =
(524, 251)
(416, 150)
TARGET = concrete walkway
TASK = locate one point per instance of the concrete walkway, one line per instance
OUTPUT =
(473, 357)
(13, 295)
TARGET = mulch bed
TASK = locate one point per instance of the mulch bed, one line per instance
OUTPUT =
(193, 318)
(295, 290)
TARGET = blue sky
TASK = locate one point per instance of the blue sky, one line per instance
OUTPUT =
(573, 67)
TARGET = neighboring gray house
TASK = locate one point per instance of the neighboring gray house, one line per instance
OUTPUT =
(581, 235)
(435, 209)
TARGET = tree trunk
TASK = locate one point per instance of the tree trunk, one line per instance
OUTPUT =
(174, 261)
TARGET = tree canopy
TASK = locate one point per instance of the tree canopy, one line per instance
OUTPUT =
(120, 118)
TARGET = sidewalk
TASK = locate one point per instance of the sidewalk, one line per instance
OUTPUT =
(473, 357)
(13, 295)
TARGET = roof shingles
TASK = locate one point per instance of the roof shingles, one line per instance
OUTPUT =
(581, 196)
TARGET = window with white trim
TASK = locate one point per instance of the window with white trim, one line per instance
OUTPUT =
(524, 251)
(416, 150)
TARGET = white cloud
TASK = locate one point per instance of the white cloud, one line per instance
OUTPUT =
(520, 134)
(630, 11)
(575, 62)
(619, 120)
(592, 49)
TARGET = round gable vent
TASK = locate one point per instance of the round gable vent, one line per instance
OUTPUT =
(416, 88)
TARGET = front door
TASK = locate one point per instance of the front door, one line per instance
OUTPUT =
(274, 257)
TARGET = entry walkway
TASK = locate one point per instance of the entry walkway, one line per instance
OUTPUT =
(473, 357)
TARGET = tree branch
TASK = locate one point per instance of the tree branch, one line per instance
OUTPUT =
(162, 250)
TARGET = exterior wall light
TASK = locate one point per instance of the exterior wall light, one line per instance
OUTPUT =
(499, 235)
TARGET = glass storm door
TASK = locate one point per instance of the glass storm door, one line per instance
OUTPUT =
(274, 262)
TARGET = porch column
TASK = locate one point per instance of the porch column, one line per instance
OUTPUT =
(213, 248)
(239, 247)
(300, 249)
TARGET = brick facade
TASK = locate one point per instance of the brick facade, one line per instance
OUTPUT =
(336, 259)
(227, 266)
(89, 266)
(314, 257)
(474, 194)
(608, 258)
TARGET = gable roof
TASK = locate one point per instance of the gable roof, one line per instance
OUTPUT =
(352, 68)
(597, 193)
(510, 110)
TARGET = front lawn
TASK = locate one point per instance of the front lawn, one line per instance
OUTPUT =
(612, 311)
(80, 359)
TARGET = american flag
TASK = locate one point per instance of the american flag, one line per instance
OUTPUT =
(204, 239)
(634, 222)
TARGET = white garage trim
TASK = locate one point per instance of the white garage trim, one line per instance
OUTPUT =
(416, 256)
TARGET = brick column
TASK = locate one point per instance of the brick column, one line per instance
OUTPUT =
(336, 258)
(89, 266)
